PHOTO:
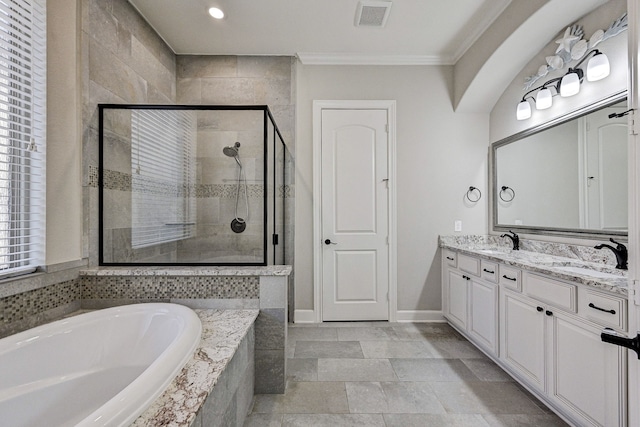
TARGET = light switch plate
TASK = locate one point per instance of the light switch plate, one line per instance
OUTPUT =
(457, 225)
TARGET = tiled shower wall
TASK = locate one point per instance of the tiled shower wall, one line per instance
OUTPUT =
(244, 80)
(124, 62)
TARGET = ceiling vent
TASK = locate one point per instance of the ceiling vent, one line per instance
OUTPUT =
(371, 13)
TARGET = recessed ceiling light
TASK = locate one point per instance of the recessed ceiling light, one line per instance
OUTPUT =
(216, 13)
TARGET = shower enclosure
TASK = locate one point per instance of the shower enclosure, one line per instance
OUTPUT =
(191, 185)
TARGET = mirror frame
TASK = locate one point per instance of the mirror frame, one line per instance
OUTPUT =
(568, 232)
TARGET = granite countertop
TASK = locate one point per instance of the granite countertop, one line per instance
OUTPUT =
(222, 331)
(575, 265)
(269, 270)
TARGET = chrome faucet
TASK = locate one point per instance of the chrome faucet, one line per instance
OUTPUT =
(515, 239)
(620, 252)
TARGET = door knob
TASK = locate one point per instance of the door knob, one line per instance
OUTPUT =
(613, 337)
(329, 242)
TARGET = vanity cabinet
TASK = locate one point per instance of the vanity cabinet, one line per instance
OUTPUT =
(523, 338)
(546, 333)
(471, 302)
(456, 290)
(587, 376)
(556, 351)
(483, 314)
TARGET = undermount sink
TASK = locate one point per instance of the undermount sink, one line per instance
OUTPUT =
(589, 272)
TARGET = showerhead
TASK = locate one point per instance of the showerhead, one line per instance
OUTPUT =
(231, 151)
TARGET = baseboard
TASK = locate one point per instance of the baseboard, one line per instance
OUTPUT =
(309, 316)
(304, 316)
(420, 316)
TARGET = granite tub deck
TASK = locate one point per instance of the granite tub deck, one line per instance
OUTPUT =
(547, 258)
(221, 288)
(215, 387)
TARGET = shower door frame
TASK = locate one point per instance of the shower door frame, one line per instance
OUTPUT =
(267, 119)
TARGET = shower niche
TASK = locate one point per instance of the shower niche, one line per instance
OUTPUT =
(191, 185)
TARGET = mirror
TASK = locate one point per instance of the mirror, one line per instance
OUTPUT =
(565, 177)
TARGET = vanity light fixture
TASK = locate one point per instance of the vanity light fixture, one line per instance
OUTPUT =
(523, 112)
(544, 99)
(598, 67)
(216, 13)
(568, 85)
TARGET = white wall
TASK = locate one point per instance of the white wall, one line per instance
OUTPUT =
(64, 144)
(440, 154)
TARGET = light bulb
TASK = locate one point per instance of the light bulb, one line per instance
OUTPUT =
(523, 112)
(570, 84)
(543, 99)
(598, 67)
(216, 13)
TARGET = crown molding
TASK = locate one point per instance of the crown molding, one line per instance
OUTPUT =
(308, 58)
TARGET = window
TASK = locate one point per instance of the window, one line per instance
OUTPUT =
(22, 135)
(163, 176)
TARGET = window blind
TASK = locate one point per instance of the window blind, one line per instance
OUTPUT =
(163, 176)
(22, 135)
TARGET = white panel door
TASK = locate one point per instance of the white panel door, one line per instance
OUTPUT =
(355, 261)
(606, 179)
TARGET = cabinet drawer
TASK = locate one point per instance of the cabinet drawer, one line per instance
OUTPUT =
(606, 310)
(450, 258)
(553, 292)
(510, 278)
(469, 264)
(489, 271)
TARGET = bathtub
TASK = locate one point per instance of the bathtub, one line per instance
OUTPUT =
(101, 368)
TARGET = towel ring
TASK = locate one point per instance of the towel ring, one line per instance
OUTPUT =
(471, 192)
(509, 192)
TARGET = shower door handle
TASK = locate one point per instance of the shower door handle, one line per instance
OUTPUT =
(329, 242)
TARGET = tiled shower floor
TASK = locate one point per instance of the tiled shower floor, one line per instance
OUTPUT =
(393, 375)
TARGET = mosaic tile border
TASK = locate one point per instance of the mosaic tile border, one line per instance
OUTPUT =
(170, 287)
(120, 181)
(31, 303)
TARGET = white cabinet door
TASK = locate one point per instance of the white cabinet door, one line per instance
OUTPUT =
(483, 310)
(456, 293)
(523, 338)
(587, 375)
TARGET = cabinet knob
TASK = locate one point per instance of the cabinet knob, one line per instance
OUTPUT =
(540, 309)
(548, 313)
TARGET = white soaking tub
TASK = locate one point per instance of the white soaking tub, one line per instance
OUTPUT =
(101, 368)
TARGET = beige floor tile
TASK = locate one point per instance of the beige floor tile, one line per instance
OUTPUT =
(432, 370)
(328, 420)
(355, 370)
(328, 349)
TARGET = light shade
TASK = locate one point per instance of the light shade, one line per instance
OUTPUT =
(570, 85)
(543, 99)
(523, 112)
(216, 13)
(598, 67)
